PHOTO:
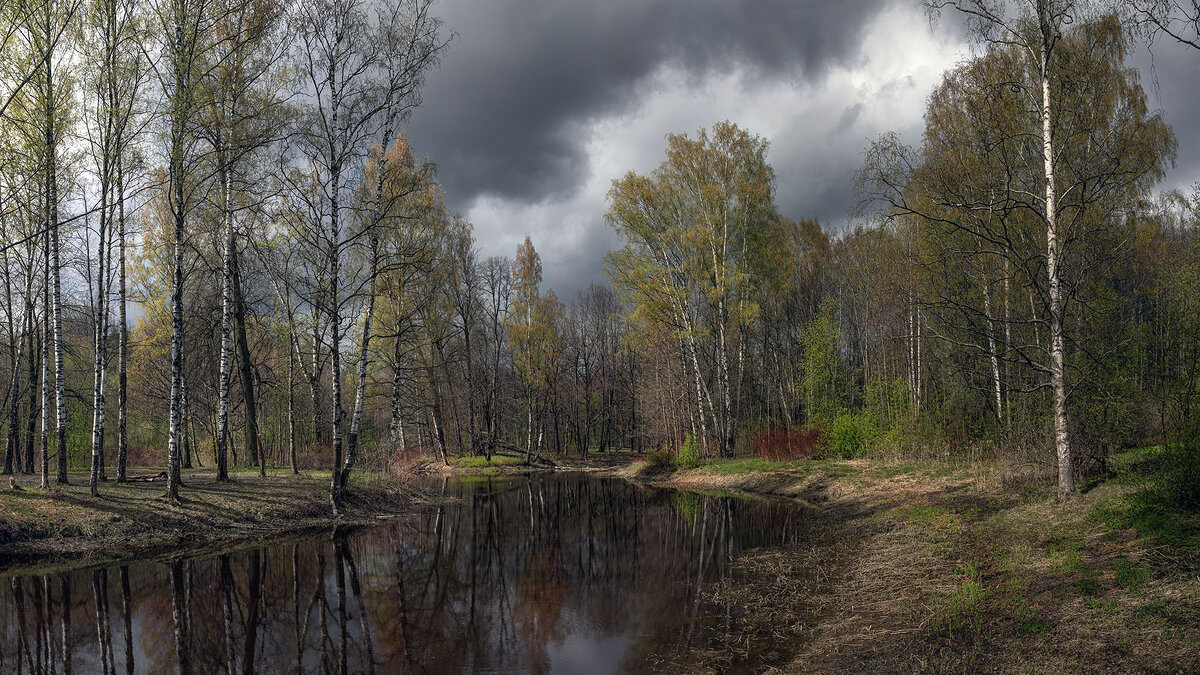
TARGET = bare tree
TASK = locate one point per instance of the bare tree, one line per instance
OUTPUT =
(497, 281)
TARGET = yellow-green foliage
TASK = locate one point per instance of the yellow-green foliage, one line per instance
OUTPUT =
(853, 434)
(689, 454)
(479, 461)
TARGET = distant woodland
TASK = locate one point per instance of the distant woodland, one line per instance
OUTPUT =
(220, 250)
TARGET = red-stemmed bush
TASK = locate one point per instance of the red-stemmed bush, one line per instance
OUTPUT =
(782, 444)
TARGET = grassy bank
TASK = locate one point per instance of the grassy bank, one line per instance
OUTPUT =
(970, 568)
(508, 463)
(63, 525)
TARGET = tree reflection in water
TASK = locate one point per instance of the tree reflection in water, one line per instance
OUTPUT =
(542, 573)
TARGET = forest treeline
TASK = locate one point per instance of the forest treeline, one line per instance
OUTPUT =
(220, 249)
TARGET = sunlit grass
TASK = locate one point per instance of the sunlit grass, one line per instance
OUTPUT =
(752, 465)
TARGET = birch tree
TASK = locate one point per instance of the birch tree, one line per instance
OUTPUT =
(114, 73)
(362, 67)
(46, 31)
(1175, 20)
(241, 115)
(184, 27)
(694, 230)
(1048, 77)
(396, 194)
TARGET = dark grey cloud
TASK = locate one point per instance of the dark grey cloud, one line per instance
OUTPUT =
(1171, 78)
(505, 112)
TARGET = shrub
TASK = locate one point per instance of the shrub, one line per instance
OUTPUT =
(135, 456)
(852, 435)
(888, 401)
(660, 460)
(781, 444)
(1180, 466)
(689, 454)
(402, 462)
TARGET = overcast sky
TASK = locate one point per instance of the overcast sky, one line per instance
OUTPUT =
(539, 104)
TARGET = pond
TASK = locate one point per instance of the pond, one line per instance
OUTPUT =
(547, 573)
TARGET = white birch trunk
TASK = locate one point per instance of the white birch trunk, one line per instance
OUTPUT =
(46, 364)
(60, 388)
(335, 320)
(1066, 479)
(176, 419)
(291, 406)
(98, 343)
(993, 356)
(222, 459)
(123, 348)
(363, 360)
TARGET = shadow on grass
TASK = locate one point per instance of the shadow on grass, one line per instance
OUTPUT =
(1166, 505)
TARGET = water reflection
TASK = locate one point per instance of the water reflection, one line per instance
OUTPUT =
(542, 574)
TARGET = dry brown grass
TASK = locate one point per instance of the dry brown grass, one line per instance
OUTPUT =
(973, 568)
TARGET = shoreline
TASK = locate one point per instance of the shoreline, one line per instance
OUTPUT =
(970, 568)
(65, 528)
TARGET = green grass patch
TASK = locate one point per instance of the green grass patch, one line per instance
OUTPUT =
(479, 461)
(1128, 574)
(1088, 586)
(1025, 618)
(1144, 510)
(893, 470)
(1164, 504)
(1106, 606)
(1066, 560)
(926, 513)
(961, 611)
(1035, 627)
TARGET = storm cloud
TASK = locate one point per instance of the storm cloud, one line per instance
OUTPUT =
(505, 112)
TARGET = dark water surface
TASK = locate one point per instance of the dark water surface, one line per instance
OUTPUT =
(553, 573)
